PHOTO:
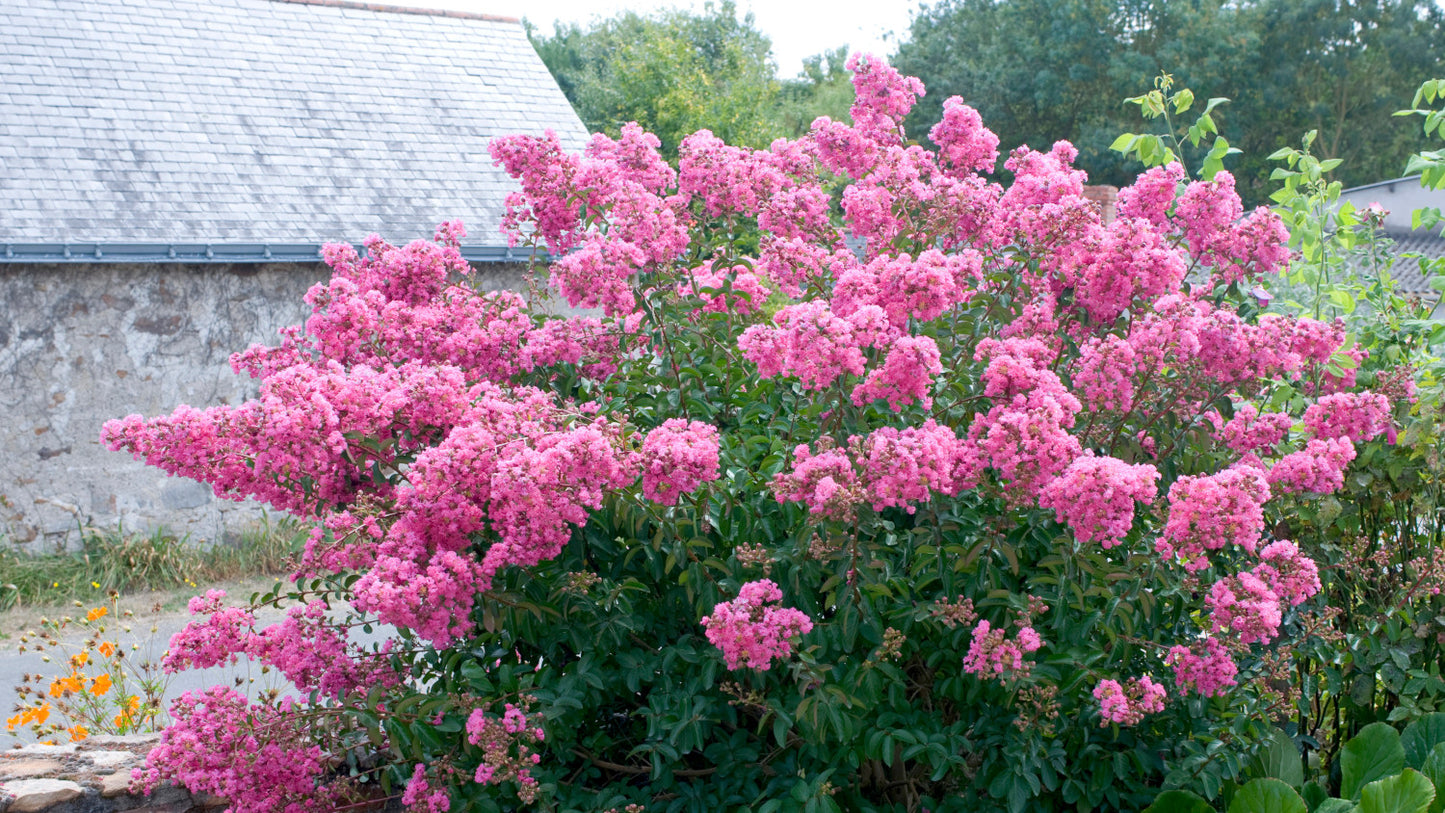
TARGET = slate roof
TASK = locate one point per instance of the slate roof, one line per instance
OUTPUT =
(1406, 271)
(259, 121)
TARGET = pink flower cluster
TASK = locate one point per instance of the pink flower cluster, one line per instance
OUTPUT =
(1208, 512)
(1095, 497)
(1249, 431)
(752, 634)
(1127, 704)
(992, 655)
(305, 647)
(419, 795)
(964, 144)
(737, 290)
(1319, 467)
(677, 457)
(508, 747)
(815, 344)
(1359, 416)
(888, 468)
(1245, 606)
(252, 755)
(1207, 669)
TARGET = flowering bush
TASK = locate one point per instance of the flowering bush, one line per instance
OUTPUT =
(980, 510)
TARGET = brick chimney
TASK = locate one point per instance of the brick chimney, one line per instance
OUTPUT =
(1105, 196)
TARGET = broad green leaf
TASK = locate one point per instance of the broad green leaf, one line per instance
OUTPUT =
(1267, 796)
(1335, 806)
(1373, 754)
(1420, 737)
(1279, 759)
(1182, 100)
(1124, 143)
(1179, 801)
(1434, 770)
(1407, 792)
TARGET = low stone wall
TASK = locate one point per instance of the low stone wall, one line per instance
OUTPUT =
(81, 343)
(92, 776)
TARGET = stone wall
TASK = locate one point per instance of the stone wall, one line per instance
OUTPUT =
(81, 343)
(94, 776)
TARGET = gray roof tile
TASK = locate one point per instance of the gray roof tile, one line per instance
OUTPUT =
(259, 120)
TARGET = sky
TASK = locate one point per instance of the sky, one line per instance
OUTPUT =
(798, 28)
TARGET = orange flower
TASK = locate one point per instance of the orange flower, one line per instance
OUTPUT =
(11, 723)
(98, 612)
(107, 649)
(64, 685)
(41, 713)
(79, 659)
(77, 733)
(101, 685)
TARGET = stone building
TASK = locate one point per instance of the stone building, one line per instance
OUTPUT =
(169, 170)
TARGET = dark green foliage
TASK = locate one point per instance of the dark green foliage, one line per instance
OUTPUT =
(1041, 70)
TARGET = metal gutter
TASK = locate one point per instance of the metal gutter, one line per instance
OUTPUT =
(1415, 179)
(214, 253)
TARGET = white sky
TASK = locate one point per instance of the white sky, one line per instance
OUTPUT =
(798, 28)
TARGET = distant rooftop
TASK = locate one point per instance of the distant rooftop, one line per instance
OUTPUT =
(154, 123)
(1400, 197)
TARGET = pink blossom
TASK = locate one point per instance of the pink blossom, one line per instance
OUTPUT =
(1358, 416)
(903, 467)
(825, 481)
(1245, 605)
(248, 754)
(1104, 373)
(1211, 673)
(1127, 704)
(677, 457)
(721, 290)
(752, 634)
(964, 144)
(1209, 511)
(1152, 194)
(814, 344)
(1319, 468)
(1249, 431)
(991, 655)
(1095, 497)
(906, 375)
(1292, 576)
(417, 797)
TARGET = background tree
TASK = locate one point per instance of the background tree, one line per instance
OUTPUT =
(1040, 70)
(673, 73)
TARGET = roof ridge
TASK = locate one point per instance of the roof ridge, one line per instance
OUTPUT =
(384, 7)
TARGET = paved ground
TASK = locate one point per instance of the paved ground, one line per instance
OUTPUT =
(166, 614)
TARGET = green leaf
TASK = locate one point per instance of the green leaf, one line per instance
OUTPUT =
(1408, 792)
(1179, 801)
(1124, 143)
(1279, 759)
(1373, 754)
(1335, 806)
(1420, 737)
(1182, 100)
(1434, 770)
(1267, 796)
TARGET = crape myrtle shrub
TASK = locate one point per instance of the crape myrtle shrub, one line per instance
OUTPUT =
(983, 516)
